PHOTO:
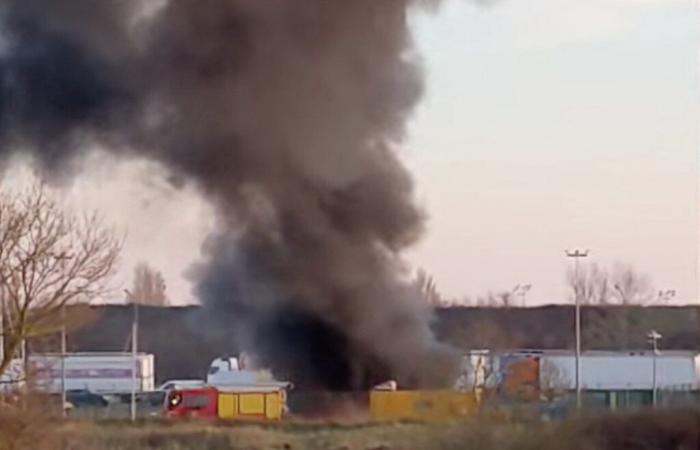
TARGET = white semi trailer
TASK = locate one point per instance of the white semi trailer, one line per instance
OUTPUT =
(97, 372)
(630, 370)
(600, 370)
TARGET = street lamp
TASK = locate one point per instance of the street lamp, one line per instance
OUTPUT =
(64, 398)
(134, 351)
(576, 255)
(666, 296)
(654, 337)
(521, 290)
(63, 257)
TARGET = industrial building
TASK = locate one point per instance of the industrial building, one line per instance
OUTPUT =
(610, 379)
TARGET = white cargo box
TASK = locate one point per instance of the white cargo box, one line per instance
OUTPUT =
(627, 370)
(96, 372)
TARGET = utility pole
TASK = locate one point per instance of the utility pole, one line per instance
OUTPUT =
(576, 255)
(2, 326)
(25, 370)
(63, 362)
(654, 337)
(134, 352)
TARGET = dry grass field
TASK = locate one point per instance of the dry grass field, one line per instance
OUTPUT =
(672, 430)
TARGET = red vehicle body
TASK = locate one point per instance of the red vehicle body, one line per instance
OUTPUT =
(195, 402)
(257, 402)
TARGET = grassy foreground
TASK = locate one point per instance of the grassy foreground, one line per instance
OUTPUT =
(672, 430)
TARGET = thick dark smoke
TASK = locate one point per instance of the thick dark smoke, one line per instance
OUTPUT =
(286, 115)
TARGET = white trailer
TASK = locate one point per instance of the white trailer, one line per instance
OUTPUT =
(624, 371)
(13, 376)
(600, 370)
(97, 372)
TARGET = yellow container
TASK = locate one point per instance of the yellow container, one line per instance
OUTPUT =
(421, 405)
(227, 405)
(250, 405)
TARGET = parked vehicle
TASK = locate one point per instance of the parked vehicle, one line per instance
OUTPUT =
(80, 398)
(96, 372)
(242, 403)
(180, 384)
(227, 371)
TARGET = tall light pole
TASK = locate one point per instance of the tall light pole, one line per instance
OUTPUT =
(576, 255)
(64, 399)
(521, 290)
(524, 290)
(63, 257)
(2, 326)
(654, 337)
(666, 296)
(134, 351)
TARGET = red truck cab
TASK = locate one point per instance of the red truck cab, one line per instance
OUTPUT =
(194, 402)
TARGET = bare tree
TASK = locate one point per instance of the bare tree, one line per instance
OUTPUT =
(492, 300)
(592, 284)
(621, 290)
(631, 287)
(622, 285)
(428, 288)
(49, 258)
(500, 299)
(148, 287)
(503, 299)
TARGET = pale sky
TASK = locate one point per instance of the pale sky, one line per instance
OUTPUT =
(551, 124)
(547, 125)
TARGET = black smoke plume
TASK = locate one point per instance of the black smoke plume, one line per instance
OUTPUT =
(287, 116)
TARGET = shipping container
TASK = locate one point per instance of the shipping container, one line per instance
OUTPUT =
(421, 405)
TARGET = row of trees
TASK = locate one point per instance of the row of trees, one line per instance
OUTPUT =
(620, 285)
(594, 284)
(51, 258)
(614, 316)
(612, 320)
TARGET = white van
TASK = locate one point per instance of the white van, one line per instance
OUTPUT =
(180, 384)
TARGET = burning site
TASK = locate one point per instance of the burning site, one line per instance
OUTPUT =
(287, 116)
(308, 210)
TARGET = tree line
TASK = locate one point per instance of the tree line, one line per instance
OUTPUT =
(54, 260)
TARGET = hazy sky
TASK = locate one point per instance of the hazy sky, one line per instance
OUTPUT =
(551, 124)
(547, 124)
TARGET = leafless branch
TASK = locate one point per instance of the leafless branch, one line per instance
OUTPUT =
(49, 258)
